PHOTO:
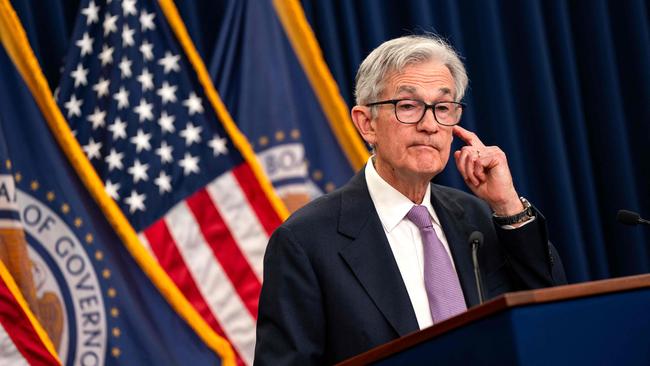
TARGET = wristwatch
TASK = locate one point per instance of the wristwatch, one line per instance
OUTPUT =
(522, 216)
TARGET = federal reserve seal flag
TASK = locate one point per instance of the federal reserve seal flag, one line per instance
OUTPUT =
(271, 73)
(83, 286)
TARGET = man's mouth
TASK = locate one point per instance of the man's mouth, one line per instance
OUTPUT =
(425, 145)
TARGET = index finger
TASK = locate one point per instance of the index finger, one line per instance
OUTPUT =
(469, 137)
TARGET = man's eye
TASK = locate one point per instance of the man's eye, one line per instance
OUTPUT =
(442, 108)
(406, 106)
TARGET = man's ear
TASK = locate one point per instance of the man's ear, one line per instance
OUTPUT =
(362, 118)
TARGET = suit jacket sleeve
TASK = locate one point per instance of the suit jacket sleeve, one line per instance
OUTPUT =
(291, 319)
(533, 259)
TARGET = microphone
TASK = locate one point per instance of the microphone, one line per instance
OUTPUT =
(475, 240)
(630, 218)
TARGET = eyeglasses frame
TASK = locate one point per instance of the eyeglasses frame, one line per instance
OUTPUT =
(426, 106)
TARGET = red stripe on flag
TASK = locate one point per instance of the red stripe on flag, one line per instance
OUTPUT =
(225, 249)
(257, 197)
(164, 248)
(20, 330)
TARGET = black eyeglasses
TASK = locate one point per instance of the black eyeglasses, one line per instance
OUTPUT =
(411, 111)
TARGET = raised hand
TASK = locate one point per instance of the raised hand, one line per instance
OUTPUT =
(486, 172)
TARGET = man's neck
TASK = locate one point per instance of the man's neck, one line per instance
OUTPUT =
(414, 187)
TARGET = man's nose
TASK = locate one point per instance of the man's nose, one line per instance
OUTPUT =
(428, 122)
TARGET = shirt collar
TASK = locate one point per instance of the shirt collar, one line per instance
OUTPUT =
(391, 205)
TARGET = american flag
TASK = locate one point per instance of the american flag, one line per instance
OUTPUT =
(135, 105)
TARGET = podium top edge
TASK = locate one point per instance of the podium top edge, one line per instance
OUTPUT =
(572, 291)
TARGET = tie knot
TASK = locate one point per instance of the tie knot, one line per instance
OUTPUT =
(419, 215)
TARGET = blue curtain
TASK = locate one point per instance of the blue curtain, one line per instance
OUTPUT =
(563, 87)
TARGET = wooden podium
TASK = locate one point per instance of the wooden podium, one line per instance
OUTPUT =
(595, 323)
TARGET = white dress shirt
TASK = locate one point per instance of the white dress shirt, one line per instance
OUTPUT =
(404, 238)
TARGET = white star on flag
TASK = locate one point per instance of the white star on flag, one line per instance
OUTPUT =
(122, 98)
(86, 44)
(97, 118)
(118, 128)
(165, 152)
(125, 67)
(170, 62)
(110, 24)
(128, 7)
(101, 88)
(114, 160)
(127, 36)
(163, 182)
(106, 56)
(191, 134)
(146, 49)
(141, 141)
(91, 13)
(218, 145)
(166, 122)
(79, 75)
(144, 110)
(135, 201)
(146, 20)
(73, 106)
(138, 171)
(146, 80)
(190, 164)
(92, 149)
(193, 104)
(112, 188)
(167, 93)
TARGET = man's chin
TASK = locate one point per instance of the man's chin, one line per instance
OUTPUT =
(429, 161)
(429, 170)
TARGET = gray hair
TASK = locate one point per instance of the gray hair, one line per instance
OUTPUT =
(396, 54)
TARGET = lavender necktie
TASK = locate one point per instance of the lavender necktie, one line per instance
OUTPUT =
(440, 279)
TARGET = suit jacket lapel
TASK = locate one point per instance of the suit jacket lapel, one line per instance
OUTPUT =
(370, 258)
(457, 230)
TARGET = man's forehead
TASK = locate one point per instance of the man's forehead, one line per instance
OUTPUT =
(416, 80)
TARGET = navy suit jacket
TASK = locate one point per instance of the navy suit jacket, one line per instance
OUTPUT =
(332, 288)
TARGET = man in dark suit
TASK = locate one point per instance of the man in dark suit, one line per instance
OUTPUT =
(387, 254)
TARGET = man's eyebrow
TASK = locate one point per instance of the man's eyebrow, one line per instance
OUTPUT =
(413, 90)
(407, 88)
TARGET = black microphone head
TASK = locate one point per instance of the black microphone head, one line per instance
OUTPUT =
(627, 217)
(476, 237)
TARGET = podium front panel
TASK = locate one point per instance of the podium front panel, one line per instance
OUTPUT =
(598, 330)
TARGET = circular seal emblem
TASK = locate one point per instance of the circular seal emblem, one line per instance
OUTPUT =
(70, 303)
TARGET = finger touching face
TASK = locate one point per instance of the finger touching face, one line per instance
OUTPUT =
(469, 137)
